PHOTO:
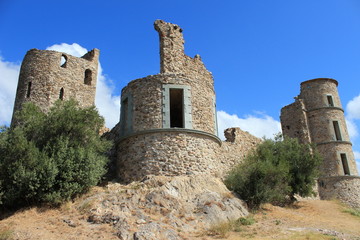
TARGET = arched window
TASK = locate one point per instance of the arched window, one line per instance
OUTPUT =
(88, 77)
(61, 95)
(63, 61)
(28, 92)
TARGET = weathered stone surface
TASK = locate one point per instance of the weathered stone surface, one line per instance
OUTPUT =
(344, 188)
(163, 207)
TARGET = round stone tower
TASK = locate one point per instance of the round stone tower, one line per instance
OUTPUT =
(327, 126)
(46, 76)
(317, 117)
(168, 121)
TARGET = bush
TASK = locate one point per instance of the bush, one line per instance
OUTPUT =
(50, 158)
(275, 171)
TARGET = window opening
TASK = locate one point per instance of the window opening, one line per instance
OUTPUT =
(345, 164)
(88, 77)
(63, 61)
(61, 95)
(176, 108)
(337, 131)
(125, 105)
(28, 90)
(330, 101)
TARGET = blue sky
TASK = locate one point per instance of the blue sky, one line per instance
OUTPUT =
(259, 51)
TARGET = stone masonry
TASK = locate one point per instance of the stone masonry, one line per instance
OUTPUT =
(317, 117)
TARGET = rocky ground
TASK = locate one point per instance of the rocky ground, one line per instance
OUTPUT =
(185, 207)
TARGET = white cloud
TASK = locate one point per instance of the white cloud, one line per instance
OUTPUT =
(107, 103)
(8, 82)
(352, 128)
(353, 108)
(73, 49)
(259, 125)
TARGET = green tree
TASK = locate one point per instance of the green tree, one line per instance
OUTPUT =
(275, 172)
(49, 158)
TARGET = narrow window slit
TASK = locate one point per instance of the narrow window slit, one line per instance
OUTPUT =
(330, 101)
(345, 164)
(337, 131)
(28, 92)
(61, 95)
(88, 77)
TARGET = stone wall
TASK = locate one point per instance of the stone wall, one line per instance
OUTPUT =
(174, 152)
(44, 78)
(167, 153)
(237, 145)
(344, 188)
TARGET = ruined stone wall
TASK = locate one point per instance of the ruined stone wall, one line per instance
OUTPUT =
(173, 58)
(238, 144)
(344, 188)
(44, 78)
(294, 121)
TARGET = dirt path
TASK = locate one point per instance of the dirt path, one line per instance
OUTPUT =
(308, 219)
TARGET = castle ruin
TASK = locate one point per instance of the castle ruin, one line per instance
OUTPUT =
(317, 117)
(46, 76)
(168, 120)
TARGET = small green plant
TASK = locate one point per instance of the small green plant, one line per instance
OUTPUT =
(6, 234)
(246, 220)
(353, 211)
(277, 222)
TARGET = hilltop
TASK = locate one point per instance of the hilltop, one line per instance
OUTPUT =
(185, 207)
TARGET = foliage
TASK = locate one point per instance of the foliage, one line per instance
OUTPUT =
(50, 158)
(275, 171)
(353, 211)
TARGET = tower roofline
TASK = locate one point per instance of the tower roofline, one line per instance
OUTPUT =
(320, 79)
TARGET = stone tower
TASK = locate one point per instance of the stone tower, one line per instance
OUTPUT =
(317, 117)
(168, 121)
(46, 76)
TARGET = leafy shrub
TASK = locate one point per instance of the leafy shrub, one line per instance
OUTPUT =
(50, 158)
(275, 171)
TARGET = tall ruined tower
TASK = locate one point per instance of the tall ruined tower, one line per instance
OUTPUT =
(317, 117)
(168, 121)
(46, 76)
